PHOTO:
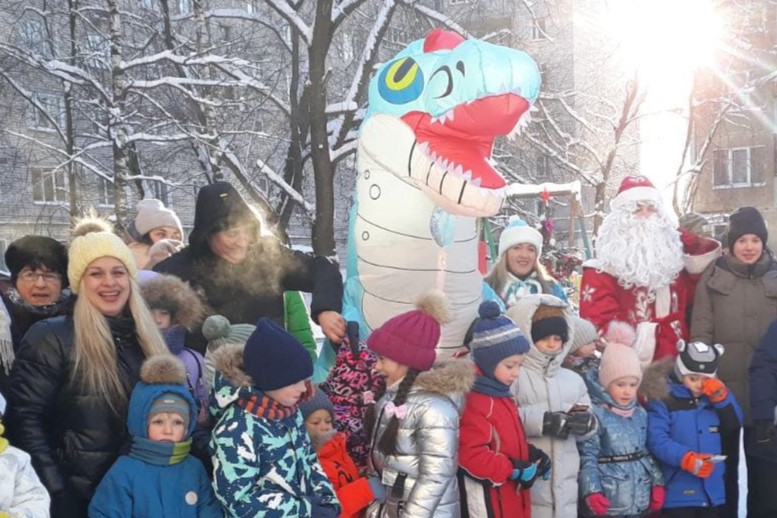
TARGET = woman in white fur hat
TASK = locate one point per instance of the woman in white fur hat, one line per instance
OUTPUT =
(518, 271)
(161, 234)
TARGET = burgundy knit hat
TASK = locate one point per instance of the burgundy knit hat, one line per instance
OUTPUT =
(411, 338)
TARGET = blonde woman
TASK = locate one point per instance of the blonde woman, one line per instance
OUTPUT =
(73, 375)
(518, 271)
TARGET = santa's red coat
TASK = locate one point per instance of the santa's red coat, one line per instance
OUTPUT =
(659, 326)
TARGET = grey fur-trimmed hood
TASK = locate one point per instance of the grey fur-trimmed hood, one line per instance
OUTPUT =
(522, 312)
(655, 382)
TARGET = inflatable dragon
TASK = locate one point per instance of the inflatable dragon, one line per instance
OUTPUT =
(425, 174)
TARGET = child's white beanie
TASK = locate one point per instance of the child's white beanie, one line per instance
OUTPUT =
(518, 231)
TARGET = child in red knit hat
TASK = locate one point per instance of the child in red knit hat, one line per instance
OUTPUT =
(415, 420)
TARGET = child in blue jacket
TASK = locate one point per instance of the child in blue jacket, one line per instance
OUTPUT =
(618, 476)
(688, 409)
(158, 477)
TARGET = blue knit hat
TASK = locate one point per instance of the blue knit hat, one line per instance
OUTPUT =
(319, 401)
(494, 338)
(274, 358)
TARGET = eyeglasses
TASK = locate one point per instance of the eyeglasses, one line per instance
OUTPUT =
(48, 277)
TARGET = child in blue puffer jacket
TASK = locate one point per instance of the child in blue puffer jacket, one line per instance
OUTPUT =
(618, 476)
(158, 477)
(688, 409)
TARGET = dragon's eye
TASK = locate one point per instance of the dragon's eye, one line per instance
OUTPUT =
(401, 82)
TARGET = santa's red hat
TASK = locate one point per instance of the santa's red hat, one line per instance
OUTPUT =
(635, 188)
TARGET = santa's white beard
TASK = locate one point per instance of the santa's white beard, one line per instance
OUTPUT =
(644, 252)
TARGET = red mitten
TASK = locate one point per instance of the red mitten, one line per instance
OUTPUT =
(714, 389)
(598, 503)
(657, 497)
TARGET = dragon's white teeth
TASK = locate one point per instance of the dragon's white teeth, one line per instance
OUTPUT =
(424, 146)
(475, 181)
(467, 176)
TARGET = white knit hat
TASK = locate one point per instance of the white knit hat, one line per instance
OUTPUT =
(516, 232)
(153, 214)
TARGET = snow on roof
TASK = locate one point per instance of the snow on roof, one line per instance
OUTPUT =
(527, 190)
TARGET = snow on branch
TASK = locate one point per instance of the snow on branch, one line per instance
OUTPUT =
(343, 9)
(288, 189)
(283, 8)
(436, 16)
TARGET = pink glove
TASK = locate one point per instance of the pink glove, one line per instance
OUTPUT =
(657, 497)
(598, 503)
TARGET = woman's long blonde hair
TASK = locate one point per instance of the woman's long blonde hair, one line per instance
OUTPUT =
(500, 276)
(94, 352)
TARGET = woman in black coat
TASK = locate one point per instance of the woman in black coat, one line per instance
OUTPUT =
(39, 289)
(242, 275)
(72, 377)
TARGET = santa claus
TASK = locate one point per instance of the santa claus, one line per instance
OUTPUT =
(645, 270)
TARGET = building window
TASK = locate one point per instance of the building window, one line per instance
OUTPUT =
(543, 167)
(31, 36)
(104, 192)
(160, 191)
(184, 6)
(48, 185)
(48, 112)
(738, 167)
(98, 51)
(538, 29)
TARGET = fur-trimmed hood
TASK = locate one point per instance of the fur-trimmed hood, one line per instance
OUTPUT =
(655, 379)
(453, 378)
(176, 296)
(522, 312)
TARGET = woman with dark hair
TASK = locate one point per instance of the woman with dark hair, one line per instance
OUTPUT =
(736, 300)
(243, 275)
(39, 289)
(71, 381)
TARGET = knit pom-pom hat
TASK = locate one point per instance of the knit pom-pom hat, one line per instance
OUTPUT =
(319, 401)
(92, 239)
(494, 338)
(619, 359)
(411, 338)
(218, 331)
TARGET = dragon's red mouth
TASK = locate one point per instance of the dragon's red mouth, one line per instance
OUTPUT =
(461, 140)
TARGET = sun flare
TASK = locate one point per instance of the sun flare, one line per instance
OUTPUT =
(666, 40)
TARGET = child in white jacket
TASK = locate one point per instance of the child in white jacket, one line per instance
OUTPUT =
(21, 492)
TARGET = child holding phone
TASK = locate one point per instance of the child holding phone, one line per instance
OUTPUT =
(689, 409)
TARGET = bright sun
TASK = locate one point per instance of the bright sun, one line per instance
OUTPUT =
(665, 40)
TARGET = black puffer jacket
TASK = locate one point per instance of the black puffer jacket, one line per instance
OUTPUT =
(72, 436)
(244, 292)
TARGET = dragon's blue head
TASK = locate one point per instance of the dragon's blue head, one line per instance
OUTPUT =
(457, 96)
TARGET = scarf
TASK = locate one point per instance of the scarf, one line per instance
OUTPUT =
(516, 288)
(159, 453)
(622, 410)
(491, 387)
(123, 331)
(174, 338)
(47, 310)
(266, 407)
